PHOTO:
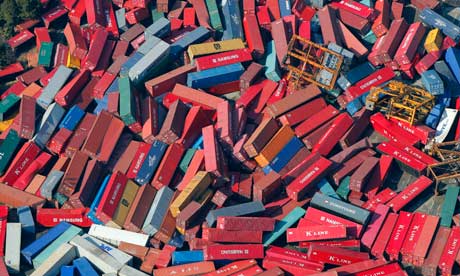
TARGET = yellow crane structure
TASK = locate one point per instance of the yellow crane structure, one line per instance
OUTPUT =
(308, 62)
(401, 101)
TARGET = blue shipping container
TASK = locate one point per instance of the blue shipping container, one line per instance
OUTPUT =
(186, 257)
(72, 118)
(211, 77)
(286, 154)
(151, 162)
(43, 241)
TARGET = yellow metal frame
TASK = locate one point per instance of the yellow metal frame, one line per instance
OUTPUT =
(447, 170)
(403, 102)
(304, 61)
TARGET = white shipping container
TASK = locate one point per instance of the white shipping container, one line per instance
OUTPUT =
(98, 257)
(115, 236)
(13, 246)
(60, 257)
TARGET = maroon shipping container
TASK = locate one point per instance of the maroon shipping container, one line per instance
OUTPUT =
(410, 44)
(384, 235)
(32, 75)
(75, 40)
(69, 92)
(95, 12)
(167, 81)
(279, 35)
(95, 49)
(382, 22)
(362, 25)
(329, 28)
(61, 55)
(427, 234)
(393, 39)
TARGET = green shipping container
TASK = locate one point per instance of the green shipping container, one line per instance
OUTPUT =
(272, 70)
(8, 148)
(214, 16)
(8, 106)
(127, 101)
(344, 188)
(448, 207)
(183, 165)
(282, 225)
(45, 54)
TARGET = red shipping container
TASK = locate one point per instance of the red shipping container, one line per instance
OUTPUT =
(330, 29)
(351, 42)
(317, 216)
(195, 97)
(291, 266)
(263, 17)
(450, 252)
(61, 55)
(335, 255)
(393, 39)
(242, 236)
(201, 13)
(273, 8)
(37, 164)
(189, 17)
(392, 131)
(26, 155)
(52, 217)
(137, 15)
(222, 59)
(232, 268)
(12, 69)
(410, 43)
(41, 35)
(409, 193)
(20, 39)
(279, 35)
(111, 197)
(316, 120)
(169, 163)
(3, 221)
(383, 197)
(233, 252)
(332, 136)
(427, 61)
(77, 12)
(384, 235)
(398, 235)
(423, 132)
(298, 188)
(413, 236)
(374, 226)
(314, 233)
(355, 8)
(253, 35)
(95, 13)
(53, 15)
(410, 162)
(196, 164)
(105, 59)
(305, 29)
(375, 79)
(417, 257)
(389, 269)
